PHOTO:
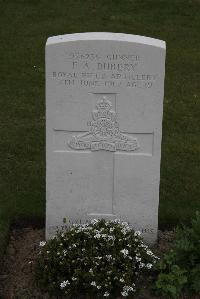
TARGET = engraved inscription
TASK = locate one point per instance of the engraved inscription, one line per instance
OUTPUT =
(104, 132)
(110, 70)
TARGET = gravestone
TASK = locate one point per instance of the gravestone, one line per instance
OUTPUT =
(104, 103)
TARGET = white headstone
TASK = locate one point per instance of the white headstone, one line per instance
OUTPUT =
(104, 103)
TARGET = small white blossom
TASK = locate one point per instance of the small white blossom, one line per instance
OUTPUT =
(149, 266)
(124, 251)
(122, 280)
(137, 233)
(74, 278)
(98, 287)
(127, 289)
(116, 221)
(93, 283)
(42, 243)
(97, 236)
(124, 223)
(124, 231)
(64, 284)
(138, 259)
(141, 265)
(106, 294)
(124, 294)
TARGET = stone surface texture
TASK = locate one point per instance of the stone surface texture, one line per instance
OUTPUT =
(104, 104)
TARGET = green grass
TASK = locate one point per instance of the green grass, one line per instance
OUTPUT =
(25, 26)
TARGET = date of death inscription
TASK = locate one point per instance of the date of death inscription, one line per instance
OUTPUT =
(112, 70)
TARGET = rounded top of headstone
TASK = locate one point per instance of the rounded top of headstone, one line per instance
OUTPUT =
(106, 36)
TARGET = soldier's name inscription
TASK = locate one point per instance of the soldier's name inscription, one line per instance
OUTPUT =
(110, 70)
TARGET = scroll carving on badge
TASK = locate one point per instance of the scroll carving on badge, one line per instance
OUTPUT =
(104, 132)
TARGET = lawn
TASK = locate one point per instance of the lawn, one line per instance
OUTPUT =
(25, 26)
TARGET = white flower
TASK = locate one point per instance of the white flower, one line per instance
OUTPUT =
(141, 265)
(124, 231)
(104, 236)
(127, 289)
(98, 287)
(121, 280)
(124, 294)
(116, 221)
(149, 252)
(90, 271)
(42, 243)
(124, 251)
(137, 233)
(106, 294)
(93, 283)
(149, 266)
(64, 284)
(74, 278)
(138, 259)
(97, 236)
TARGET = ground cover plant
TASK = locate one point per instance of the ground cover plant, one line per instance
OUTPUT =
(179, 270)
(25, 26)
(102, 259)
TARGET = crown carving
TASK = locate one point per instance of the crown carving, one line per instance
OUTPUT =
(104, 104)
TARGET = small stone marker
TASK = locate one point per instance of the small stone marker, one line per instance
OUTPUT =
(104, 103)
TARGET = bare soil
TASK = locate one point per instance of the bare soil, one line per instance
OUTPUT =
(17, 275)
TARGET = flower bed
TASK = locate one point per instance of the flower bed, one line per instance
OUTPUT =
(101, 258)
